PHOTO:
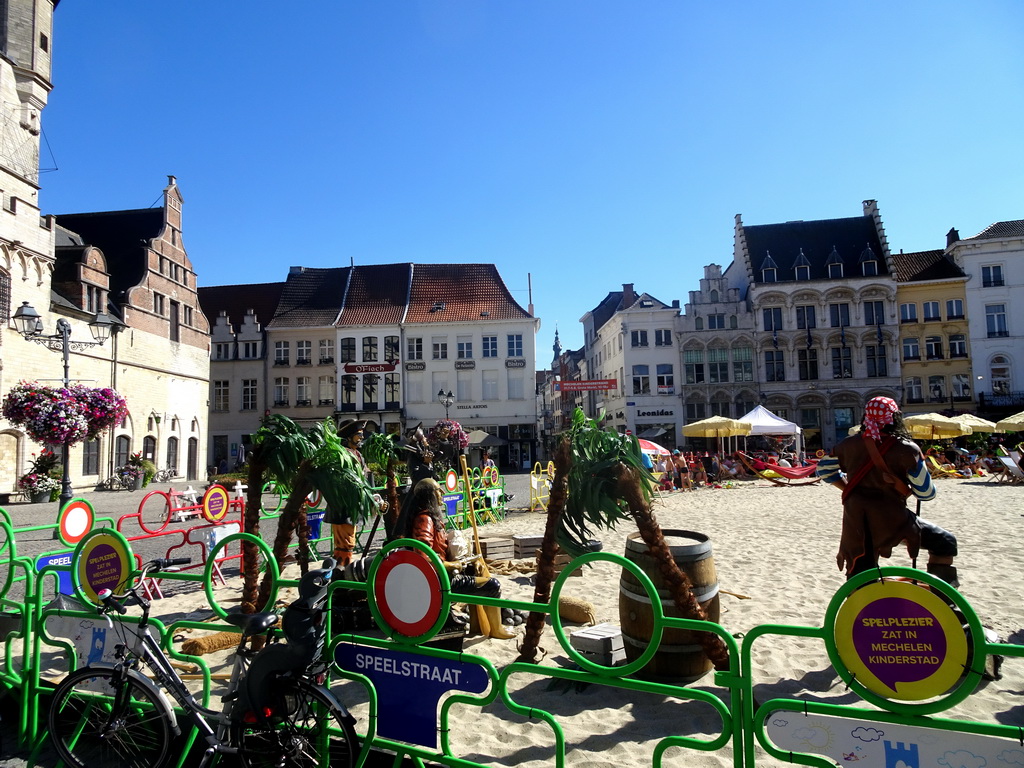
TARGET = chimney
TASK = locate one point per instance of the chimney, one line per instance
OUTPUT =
(628, 295)
(951, 237)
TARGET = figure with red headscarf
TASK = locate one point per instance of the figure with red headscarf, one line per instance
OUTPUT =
(877, 471)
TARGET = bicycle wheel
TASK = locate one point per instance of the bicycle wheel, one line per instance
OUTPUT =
(305, 729)
(101, 718)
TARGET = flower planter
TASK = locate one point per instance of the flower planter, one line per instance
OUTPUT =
(137, 486)
(40, 497)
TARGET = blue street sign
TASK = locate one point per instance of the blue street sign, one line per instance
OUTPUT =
(409, 687)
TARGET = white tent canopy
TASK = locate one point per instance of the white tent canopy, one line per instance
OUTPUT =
(764, 422)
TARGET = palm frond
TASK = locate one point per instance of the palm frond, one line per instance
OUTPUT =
(381, 449)
(594, 501)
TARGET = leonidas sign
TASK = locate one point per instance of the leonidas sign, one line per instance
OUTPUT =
(369, 367)
(586, 386)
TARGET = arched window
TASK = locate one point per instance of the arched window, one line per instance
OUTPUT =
(5, 296)
(714, 297)
(122, 449)
(149, 448)
(172, 454)
(698, 323)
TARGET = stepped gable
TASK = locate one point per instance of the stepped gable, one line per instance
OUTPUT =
(123, 237)
(849, 237)
(377, 294)
(452, 293)
(312, 297)
(237, 300)
(924, 265)
(1000, 230)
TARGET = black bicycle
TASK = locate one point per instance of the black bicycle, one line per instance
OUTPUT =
(277, 711)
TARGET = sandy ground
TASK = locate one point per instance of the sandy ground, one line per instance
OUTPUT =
(773, 545)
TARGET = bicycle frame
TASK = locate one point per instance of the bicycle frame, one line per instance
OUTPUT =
(146, 650)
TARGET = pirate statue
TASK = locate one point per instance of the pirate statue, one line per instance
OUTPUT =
(877, 470)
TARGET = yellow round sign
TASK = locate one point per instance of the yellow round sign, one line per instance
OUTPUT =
(103, 562)
(215, 503)
(900, 641)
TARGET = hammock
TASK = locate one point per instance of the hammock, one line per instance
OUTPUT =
(780, 475)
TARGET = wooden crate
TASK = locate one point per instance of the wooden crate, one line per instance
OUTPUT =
(525, 544)
(497, 548)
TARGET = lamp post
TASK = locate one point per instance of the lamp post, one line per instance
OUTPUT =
(446, 398)
(30, 325)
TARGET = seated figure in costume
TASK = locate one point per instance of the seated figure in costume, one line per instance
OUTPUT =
(427, 523)
(878, 469)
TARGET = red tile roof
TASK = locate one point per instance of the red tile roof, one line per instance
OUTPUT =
(447, 293)
(376, 295)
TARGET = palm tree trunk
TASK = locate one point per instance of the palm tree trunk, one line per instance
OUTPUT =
(678, 582)
(289, 519)
(548, 548)
(251, 524)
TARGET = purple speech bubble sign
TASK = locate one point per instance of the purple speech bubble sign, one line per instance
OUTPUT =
(899, 640)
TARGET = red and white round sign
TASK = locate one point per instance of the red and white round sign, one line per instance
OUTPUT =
(76, 520)
(451, 481)
(407, 591)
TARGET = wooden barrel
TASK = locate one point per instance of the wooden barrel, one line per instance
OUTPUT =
(680, 658)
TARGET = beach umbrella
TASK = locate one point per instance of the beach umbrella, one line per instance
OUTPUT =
(976, 423)
(717, 426)
(648, 447)
(935, 426)
(1013, 423)
(480, 439)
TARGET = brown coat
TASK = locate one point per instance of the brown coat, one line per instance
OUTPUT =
(874, 507)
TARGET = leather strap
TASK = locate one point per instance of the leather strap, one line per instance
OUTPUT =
(887, 474)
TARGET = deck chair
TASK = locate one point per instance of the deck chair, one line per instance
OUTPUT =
(937, 470)
(1012, 470)
(540, 490)
(711, 468)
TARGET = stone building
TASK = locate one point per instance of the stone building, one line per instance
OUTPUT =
(629, 339)
(130, 265)
(825, 314)
(993, 261)
(378, 342)
(934, 330)
(717, 342)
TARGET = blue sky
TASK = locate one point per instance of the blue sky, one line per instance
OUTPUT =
(585, 143)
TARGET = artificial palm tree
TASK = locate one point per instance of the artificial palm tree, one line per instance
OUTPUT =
(600, 480)
(299, 462)
(383, 449)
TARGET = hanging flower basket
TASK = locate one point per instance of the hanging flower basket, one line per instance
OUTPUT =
(63, 415)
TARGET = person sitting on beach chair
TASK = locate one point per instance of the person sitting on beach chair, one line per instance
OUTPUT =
(877, 470)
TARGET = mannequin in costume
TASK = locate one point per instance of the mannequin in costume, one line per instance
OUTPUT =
(878, 469)
(427, 524)
(342, 529)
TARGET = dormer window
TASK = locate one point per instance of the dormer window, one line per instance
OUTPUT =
(769, 269)
(802, 267)
(438, 306)
(868, 262)
(834, 264)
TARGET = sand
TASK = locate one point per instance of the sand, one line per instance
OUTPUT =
(774, 545)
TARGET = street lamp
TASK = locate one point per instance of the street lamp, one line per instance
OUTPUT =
(30, 325)
(446, 398)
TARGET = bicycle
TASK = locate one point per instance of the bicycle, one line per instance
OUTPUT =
(277, 711)
(165, 475)
(116, 482)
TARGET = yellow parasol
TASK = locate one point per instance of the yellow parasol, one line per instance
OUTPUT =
(976, 423)
(935, 426)
(1013, 423)
(717, 426)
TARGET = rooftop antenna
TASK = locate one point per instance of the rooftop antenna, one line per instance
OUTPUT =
(529, 286)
